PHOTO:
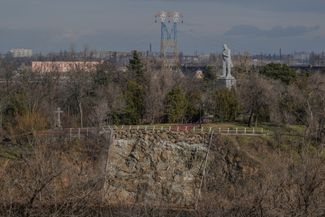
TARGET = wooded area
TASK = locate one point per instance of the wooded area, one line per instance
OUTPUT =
(52, 178)
(143, 94)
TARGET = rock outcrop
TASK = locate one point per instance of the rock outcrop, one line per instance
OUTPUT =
(157, 168)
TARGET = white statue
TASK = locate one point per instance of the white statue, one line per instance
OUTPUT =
(227, 63)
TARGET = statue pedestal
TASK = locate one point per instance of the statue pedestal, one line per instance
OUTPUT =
(227, 82)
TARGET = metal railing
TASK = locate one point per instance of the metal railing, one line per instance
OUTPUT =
(194, 128)
(86, 132)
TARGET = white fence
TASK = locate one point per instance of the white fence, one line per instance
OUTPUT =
(197, 129)
(87, 132)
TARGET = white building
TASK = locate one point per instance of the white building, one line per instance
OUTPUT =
(20, 52)
(64, 66)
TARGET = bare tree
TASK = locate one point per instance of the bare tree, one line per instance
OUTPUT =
(308, 105)
(257, 97)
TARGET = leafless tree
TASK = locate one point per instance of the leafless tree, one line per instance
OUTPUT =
(257, 96)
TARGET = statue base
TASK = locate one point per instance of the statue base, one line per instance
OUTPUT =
(227, 82)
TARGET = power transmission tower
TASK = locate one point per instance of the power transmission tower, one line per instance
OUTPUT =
(169, 32)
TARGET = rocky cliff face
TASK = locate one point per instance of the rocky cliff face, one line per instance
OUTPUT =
(162, 168)
(156, 168)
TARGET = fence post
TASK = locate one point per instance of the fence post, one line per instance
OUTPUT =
(145, 128)
(220, 130)
(210, 130)
(228, 131)
(177, 128)
(153, 128)
(253, 130)
(245, 131)
(70, 134)
(79, 133)
(236, 131)
(87, 132)
(170, 128)
(185, 128)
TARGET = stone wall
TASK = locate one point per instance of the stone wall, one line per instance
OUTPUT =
(159, 168)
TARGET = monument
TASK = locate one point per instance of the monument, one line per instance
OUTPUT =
(227, 79)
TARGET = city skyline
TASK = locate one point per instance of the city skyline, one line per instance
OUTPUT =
(254, 26)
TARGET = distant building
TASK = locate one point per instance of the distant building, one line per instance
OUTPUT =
(64, 66)
(20, 52)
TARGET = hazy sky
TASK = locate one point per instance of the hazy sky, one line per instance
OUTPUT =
(245, 25)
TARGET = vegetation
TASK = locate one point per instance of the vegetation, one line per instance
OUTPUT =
(176, 103)
(244, 177)
(226, 105)
(34, 172)
(141, 94)
(280, 72)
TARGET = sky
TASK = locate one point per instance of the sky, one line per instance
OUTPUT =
(255, 26)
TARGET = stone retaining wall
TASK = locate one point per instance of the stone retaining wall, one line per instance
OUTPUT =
(156, 168)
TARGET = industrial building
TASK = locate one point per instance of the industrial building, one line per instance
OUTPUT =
(21, 52)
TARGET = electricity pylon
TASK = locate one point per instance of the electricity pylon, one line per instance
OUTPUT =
(169, 32)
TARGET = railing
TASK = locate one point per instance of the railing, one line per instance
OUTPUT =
(195, 128)
(86, 132)
(74, 132)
